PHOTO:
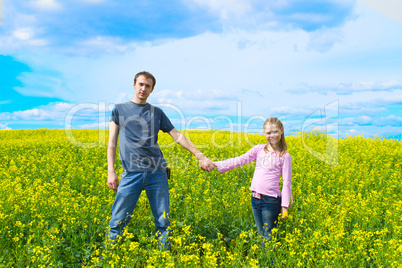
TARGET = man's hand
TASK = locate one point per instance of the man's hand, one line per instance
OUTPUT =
(206, 164)
(112, 180)
(284, 213)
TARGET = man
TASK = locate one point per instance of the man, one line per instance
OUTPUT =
(136, 124)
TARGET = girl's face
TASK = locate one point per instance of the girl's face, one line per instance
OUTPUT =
(273, 134)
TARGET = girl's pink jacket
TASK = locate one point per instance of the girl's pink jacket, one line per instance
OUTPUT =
(268, 168)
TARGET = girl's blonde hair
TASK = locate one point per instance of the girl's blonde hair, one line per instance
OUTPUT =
(282, 144)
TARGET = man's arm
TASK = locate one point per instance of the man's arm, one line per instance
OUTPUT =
(112, 179)
(205, 163)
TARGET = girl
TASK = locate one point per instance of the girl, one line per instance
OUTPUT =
(272, 160)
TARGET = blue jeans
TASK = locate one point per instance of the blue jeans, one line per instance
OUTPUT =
(131, 185)
(266, 212)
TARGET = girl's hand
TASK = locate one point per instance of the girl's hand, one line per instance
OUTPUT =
(284, 213)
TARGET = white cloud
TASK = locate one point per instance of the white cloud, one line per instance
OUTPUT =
(60, 114)
(371, 131)
(121, 98)
(293, 111)
(324, 39)
(364, 120)
(363, 110)
(19, 40)
(53, 111)
(93, 1)
(47, 5)
(254, 14)
(390, 120)
(4, 127)
(374, 86)
(394, 99)
(351, 109)
(317, 18)
(195, 101)
(226, 8)
(348, 88)
(20, 33)
(23, 34)
(98, 44)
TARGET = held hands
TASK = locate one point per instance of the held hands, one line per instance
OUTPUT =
(112, 180)
(206, 164)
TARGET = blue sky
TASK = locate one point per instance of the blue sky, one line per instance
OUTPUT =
(229, 64)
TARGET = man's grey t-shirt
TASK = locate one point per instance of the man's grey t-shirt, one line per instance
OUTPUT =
(139, 125)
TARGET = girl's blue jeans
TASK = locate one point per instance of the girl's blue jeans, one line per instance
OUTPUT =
(266, 212)
(131, 185)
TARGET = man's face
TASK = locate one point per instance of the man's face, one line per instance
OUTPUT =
(143, 87)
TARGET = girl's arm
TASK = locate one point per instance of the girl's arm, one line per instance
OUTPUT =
(287, 181)
(232, 163)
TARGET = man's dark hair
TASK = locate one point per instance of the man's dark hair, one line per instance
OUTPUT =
(147, 76)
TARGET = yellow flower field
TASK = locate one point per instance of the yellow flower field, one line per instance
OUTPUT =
(55, 204)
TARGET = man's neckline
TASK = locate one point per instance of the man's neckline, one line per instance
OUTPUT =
(139, 104)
